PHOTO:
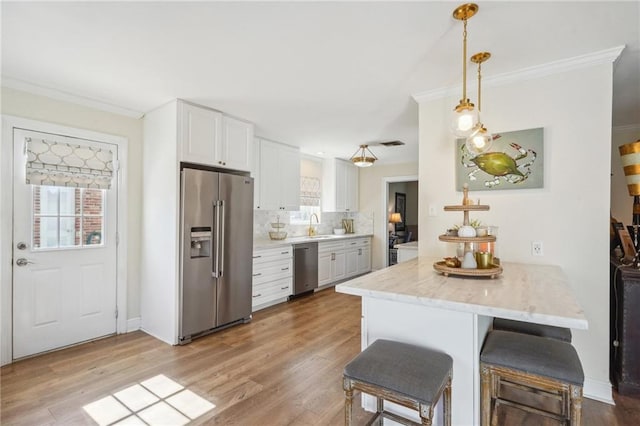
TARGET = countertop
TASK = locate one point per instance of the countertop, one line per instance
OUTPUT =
(413, 245)
(267, 243)
(533, 293)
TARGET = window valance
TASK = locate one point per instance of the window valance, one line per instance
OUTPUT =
(309, 191)
(55, 163)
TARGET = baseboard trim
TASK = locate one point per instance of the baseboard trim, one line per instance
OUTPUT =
(133, 324)
(598, 390)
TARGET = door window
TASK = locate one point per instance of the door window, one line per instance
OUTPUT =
(67, 217)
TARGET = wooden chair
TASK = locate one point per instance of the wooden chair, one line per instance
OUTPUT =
(409, 375)
(549, 368)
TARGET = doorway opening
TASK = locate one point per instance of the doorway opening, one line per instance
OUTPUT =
(400, 208)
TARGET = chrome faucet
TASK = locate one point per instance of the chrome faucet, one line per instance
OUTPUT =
(311, 231)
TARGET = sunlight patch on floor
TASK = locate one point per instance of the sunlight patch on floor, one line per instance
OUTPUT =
(156, 401)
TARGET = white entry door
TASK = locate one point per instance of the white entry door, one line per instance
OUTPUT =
(64, 248)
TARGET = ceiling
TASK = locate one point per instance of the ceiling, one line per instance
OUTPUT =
(325, 76)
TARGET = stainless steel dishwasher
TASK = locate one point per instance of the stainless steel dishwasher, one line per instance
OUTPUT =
(305, 268)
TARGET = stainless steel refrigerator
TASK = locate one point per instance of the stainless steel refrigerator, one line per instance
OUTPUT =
(216, 251)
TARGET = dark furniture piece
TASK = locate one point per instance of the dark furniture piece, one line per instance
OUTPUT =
(540, 366)
(409, 375)
(624, 336)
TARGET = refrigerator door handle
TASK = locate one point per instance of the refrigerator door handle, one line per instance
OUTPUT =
(216, 242)
(221, 238)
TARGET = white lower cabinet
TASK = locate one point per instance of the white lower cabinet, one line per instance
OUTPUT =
(338, 260)
(272, 276)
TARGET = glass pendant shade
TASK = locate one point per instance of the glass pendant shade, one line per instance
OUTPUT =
(464, 119)
(363, 157)
(479, 141)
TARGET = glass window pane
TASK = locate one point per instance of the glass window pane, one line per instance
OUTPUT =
(69, 201)
(45, 232)
(69, 231)
(92, 230)
(46, 200)
(92, 202)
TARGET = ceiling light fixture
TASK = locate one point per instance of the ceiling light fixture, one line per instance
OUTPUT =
(465, 115)
(480, 139)
(361, 159)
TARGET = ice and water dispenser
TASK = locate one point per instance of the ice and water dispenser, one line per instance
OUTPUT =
(200, 242)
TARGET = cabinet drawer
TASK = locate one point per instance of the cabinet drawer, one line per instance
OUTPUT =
(265, 272)
(357, 242)
(270, 254)
(331, 247)
(271, 290)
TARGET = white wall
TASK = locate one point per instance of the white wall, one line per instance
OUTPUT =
(371, 199)
(569, 215)
(26, 105)
(621, 201)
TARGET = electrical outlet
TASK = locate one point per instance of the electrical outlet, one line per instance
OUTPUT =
(432, 210)
(536, 248)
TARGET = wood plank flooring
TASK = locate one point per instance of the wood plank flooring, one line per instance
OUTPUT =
(283, 368)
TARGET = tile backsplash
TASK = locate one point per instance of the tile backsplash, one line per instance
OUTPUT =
(262, 219)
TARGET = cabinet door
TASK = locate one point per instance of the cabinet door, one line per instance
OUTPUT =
(339, 266)
(199, 134)
(324, 268)
(364, 260)
(351, 185)
(269, 176)
(236, 146)
(289, 165)
(351, 262)
(341, 187)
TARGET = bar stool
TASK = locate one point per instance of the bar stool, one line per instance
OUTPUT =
(409, 375)
(550, 331)
(548, 367)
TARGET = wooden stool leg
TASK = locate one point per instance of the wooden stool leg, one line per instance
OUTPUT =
(575, 418)
(348, 402)
(485, 396)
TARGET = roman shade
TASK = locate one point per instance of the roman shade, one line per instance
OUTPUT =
(309, 191)
(55, 163)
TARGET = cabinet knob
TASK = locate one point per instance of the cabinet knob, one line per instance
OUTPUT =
(257, 295)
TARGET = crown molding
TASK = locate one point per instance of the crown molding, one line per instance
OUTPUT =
(536, 71)
(60, 95)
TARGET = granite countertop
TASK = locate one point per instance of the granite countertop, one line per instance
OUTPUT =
(267, 243)
(533, 293)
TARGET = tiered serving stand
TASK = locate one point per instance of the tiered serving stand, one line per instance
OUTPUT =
(466, 207)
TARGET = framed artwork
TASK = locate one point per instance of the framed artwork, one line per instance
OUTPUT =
(401, 207)
(514, 161)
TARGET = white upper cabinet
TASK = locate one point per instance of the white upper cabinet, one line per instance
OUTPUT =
(200, 133)
(236, 146)
(339, 185)
(278, 177)
(211, 138)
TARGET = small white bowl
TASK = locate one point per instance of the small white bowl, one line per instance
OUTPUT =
(339, 231)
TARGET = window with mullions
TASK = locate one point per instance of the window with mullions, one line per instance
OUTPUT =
(67, 217)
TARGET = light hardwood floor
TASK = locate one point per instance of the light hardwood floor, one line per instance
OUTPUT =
(283, 368)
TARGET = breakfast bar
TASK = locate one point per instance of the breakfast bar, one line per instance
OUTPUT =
(413, 303)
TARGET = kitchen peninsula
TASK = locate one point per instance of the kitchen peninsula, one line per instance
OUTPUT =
(413, 303)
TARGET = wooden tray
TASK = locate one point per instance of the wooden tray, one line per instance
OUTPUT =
(446, 271)
(456, 239)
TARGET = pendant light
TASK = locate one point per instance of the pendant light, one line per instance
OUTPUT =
(465, 116)
(480, 139)
(361, 159)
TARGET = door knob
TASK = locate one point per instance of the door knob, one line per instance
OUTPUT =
(21, 246)
(23, 262)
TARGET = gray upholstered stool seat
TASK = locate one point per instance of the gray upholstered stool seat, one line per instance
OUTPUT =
(406, 374)
(550, 331)
(546, 366)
